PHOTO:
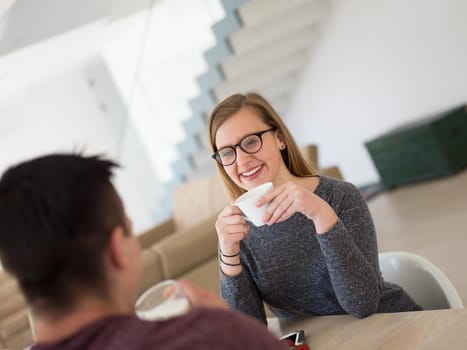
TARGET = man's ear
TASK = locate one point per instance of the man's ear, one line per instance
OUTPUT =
(118, 248)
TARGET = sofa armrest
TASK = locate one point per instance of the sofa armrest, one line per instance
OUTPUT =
(157, 233)
(183, 251)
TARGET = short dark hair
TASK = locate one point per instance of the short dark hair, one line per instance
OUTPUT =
(56, 216)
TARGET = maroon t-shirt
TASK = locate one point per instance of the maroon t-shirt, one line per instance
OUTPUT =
(200, 329)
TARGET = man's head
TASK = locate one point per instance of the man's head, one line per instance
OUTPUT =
(62, 224)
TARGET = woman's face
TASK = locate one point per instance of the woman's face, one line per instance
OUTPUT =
(251, 170)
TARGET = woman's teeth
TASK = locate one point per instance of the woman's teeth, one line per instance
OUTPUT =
(252, 171)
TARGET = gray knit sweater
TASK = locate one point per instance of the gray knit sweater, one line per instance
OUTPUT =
(300, 273)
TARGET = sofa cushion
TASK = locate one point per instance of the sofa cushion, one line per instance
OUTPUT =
(197, 200)
(156, 233)
(11, 299)
(186, 249)
(152, 270)
(15, 330)
(14, 324)
(205, 275)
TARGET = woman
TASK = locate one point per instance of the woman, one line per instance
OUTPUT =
(317, 254)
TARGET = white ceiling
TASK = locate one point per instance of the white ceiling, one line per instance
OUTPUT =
(39, 39)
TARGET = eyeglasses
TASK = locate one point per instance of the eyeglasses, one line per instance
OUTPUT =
(249, 144)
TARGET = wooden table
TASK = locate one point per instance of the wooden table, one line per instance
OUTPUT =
(436, 329)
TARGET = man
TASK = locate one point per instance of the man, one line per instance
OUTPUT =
(64, 235)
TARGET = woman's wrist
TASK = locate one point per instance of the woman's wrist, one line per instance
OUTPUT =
(230, 262)
(229, 255)
(222, 260)
(324, 217)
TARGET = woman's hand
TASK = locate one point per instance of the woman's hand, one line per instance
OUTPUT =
(290, 198)
(231, 228)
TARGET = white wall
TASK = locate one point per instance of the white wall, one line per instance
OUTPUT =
(62, 115)
(59, 115)
(378, 64)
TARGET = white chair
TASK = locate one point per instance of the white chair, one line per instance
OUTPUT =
(421, 279)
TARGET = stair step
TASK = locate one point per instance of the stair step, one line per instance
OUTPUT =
(188, 145)
(236, 65)
(231, 5)
(218, 53)
(210, 78)
(257, 11)
(182, 165)
(249, 38)
(202, 103)
(284, 86)
(195, 124)
(226, 26)
(268, 75)
(202, 158)
(203, 139)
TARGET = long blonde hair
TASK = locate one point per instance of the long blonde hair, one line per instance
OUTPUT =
(293, 158)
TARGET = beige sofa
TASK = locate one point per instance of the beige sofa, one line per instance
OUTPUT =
(184, 246)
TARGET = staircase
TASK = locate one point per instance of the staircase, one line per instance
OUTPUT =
(262, 46)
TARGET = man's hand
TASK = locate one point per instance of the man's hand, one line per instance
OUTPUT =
(201, 297)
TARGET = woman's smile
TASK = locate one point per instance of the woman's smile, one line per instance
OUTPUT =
(251, 172)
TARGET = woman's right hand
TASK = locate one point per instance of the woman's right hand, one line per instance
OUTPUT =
(231, 228)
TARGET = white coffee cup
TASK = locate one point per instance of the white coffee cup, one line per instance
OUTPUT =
(247, 203)
(154, 304)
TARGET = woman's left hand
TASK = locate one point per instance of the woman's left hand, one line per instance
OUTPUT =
(286, 200)
(290, 198)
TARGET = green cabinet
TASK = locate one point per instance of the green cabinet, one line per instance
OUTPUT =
(436, 146)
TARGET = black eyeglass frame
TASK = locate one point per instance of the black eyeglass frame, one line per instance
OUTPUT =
(218, 159)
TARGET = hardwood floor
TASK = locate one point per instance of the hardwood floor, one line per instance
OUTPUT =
(427, 218)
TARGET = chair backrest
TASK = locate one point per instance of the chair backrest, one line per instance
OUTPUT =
(421, 279)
